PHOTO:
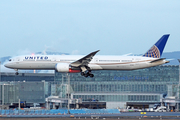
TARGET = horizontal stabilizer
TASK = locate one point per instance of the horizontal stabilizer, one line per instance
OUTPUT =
(127, 54)
(179, 60)
(170, 59)
(157, 60)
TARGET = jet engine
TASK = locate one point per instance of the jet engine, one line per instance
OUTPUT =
(65, 67)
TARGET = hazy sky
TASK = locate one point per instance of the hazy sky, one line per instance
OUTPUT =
(115, 27)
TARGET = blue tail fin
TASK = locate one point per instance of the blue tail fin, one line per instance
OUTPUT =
(157, 49)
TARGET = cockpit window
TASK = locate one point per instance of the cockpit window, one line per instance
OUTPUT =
(9, 59)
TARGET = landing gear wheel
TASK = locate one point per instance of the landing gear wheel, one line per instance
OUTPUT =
(91, 75)
(82, 73)
(16, 73)
(86, 75)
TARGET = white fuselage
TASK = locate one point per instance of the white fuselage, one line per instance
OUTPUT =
(99, 62)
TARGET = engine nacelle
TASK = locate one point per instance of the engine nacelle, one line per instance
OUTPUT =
(64, 67)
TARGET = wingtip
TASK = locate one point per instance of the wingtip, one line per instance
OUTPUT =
(95, 51)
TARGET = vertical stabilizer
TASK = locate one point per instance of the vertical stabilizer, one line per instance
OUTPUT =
(157, 49)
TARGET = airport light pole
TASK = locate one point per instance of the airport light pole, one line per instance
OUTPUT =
(178, 88)
(0, 71)
(62, 85)
(2, 101)
(2, 96)
(68, 77)
(19, 105)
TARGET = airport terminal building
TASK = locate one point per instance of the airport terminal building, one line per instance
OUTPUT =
(119, 89)
(111, 88)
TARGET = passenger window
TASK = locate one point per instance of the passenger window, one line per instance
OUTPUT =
(9, 59)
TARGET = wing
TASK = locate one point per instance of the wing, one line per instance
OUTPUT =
(84, 61)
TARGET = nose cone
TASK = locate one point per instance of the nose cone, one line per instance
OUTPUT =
(7, 65)
(10, 65)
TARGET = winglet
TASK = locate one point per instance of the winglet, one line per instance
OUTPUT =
(157, 49)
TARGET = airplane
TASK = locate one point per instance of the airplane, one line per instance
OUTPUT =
(85, 64)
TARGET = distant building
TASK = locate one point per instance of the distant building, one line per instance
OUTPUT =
(110, 88)
(27, 92)
(30, 77)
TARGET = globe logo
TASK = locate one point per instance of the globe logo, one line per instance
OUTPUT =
(153, 52)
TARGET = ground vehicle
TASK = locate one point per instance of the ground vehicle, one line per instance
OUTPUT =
(160, 109)
(156, 106)
(149, 110)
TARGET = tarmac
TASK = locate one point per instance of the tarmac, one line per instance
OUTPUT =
(83, 119)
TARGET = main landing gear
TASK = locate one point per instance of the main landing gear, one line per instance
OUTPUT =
(86, 74)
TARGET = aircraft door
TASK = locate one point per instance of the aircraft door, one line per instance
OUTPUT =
(53, 59)
(96, 60)
(53, 63)
(18, 59)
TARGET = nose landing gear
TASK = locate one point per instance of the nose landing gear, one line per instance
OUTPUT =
(16, 73)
